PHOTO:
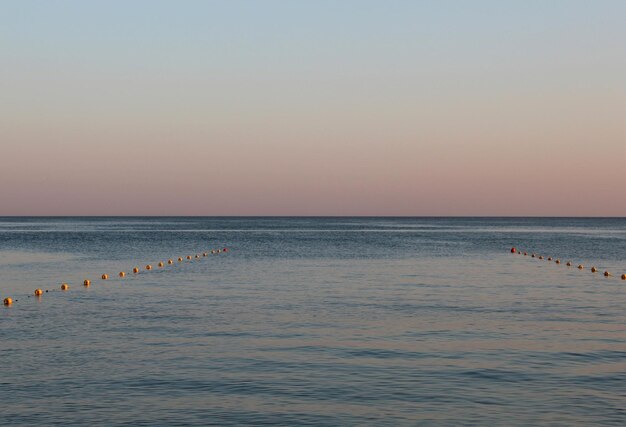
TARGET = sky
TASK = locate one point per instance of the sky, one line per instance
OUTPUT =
(494, 108)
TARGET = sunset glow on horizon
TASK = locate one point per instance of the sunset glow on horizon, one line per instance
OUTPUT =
(313, 108)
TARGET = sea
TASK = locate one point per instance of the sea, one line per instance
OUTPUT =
(333, 321)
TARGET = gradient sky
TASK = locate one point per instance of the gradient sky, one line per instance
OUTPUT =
(313, 107)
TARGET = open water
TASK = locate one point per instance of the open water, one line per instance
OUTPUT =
(313, 321)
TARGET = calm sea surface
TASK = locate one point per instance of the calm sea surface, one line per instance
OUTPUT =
(313, 321)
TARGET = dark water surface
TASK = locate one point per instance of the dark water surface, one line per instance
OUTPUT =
(313, 321)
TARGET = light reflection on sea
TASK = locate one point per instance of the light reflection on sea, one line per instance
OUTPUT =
(306, 328)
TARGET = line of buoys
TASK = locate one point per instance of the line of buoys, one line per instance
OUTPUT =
(593, 269)
(8, 301)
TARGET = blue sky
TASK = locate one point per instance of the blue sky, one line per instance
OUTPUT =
(369, 94)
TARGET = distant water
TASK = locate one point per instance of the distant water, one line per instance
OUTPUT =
(313, 321)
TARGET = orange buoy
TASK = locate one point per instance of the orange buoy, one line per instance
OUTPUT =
(8, 301)
(558, 261)
(607, 274)
(161, 264)
(105, 276)
(169, 261)
(549, 258)
(580, 266)
(593, 269)
(64, 287)
(136, 270)
(540, 256)
(38, 292)
(623, 276)
(569, 263)
(180, 259)
(148, 267)
(122, 273)
(188, 256)
(87, 282)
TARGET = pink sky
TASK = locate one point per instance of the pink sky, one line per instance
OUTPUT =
(527, 118)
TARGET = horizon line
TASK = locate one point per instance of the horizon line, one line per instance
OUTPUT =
(315, 216)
